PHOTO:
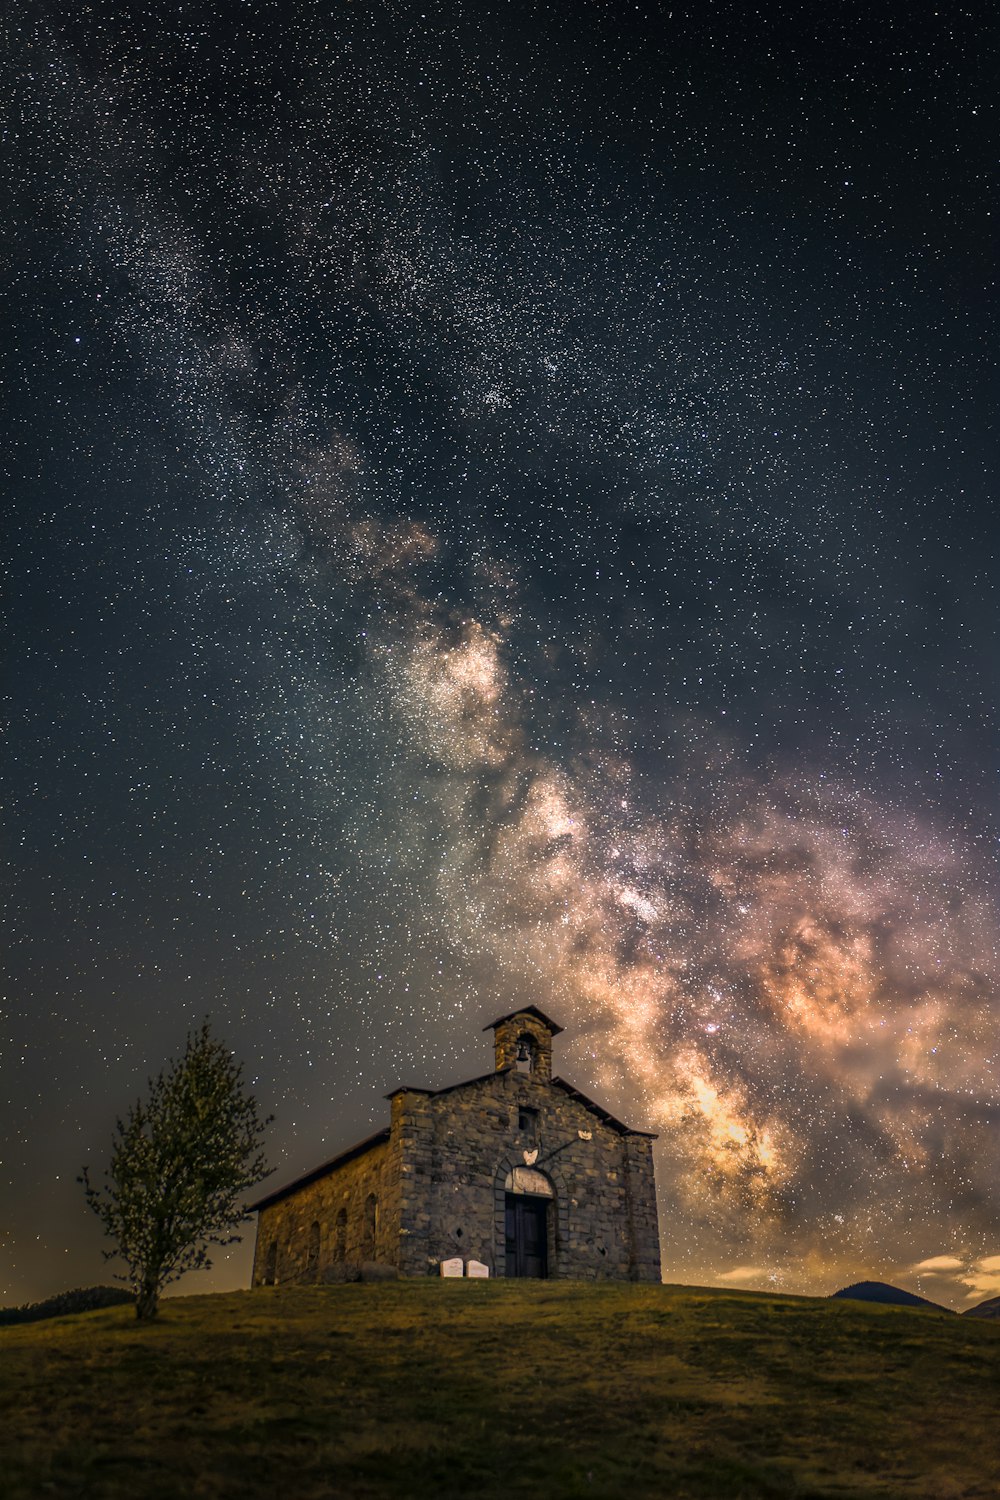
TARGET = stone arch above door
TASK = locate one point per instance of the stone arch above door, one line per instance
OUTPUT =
(529, 1180)
(558, 1196)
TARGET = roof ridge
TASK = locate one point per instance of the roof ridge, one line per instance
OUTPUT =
(527, 1010)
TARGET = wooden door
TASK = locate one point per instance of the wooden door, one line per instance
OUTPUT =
(527, 1235)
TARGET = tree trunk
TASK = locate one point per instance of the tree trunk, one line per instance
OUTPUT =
(146, 1303)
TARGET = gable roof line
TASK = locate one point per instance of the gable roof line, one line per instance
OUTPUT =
(527, 1010)
(449, 1088)
(467, 1082)
(559, 1083)
(383, 1135)
(328, 1166)
(597, 1109)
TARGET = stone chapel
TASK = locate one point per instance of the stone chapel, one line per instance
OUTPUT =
(515, 1171)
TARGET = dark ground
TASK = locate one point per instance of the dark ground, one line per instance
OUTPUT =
(497, 1389)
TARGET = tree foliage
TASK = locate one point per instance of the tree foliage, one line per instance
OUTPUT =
(181, 1162)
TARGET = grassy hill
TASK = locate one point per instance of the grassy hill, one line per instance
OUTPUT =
(499, 1389)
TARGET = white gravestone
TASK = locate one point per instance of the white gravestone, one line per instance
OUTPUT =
(452, 1267)
(476, 1268)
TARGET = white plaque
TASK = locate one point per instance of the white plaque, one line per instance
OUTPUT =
(476, 1268)
(452, 1267)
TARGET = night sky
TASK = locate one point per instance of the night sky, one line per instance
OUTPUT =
(500, 511)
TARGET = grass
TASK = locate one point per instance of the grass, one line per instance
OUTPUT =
(499, 1389)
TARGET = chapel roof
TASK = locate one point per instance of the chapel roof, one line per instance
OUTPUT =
(383, 1135)
(328, 1166)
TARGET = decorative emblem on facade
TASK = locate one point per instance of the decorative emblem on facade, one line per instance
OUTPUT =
(530, 1157)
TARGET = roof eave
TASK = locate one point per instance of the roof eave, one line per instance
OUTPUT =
(600, 1111)
(341, 1160)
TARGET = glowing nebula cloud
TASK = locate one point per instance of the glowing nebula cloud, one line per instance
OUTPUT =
(795, 986)
(792, 980)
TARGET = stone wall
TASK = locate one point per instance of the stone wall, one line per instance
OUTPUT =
(643, 1214)
(412, 1145)
(338, 1204)
(602, 1223)
(440, 1184)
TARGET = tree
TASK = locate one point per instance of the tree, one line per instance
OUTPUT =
(180, 1164)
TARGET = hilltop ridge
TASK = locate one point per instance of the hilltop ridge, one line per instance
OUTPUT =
(436, 1389)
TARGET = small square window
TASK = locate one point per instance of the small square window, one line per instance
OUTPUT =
(527, 1122)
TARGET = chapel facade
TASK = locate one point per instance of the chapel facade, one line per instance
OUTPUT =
(516, 1171)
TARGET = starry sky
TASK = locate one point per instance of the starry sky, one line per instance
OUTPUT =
(500, 512)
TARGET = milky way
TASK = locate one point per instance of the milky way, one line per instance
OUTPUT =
(503, 516)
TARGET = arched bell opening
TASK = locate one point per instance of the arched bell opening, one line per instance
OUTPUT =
(525, 1053)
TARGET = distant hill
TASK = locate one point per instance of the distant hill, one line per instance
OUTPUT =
(881, 1291)
(987, 1309)
(80, 1299)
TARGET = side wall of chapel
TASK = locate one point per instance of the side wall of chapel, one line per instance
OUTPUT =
(339, 1204)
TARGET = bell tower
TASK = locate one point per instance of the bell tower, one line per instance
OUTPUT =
(523, 1042)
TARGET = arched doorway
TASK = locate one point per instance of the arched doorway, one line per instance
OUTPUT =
(527, 1196)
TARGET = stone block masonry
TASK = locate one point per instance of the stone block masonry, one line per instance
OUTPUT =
(517, 1170)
